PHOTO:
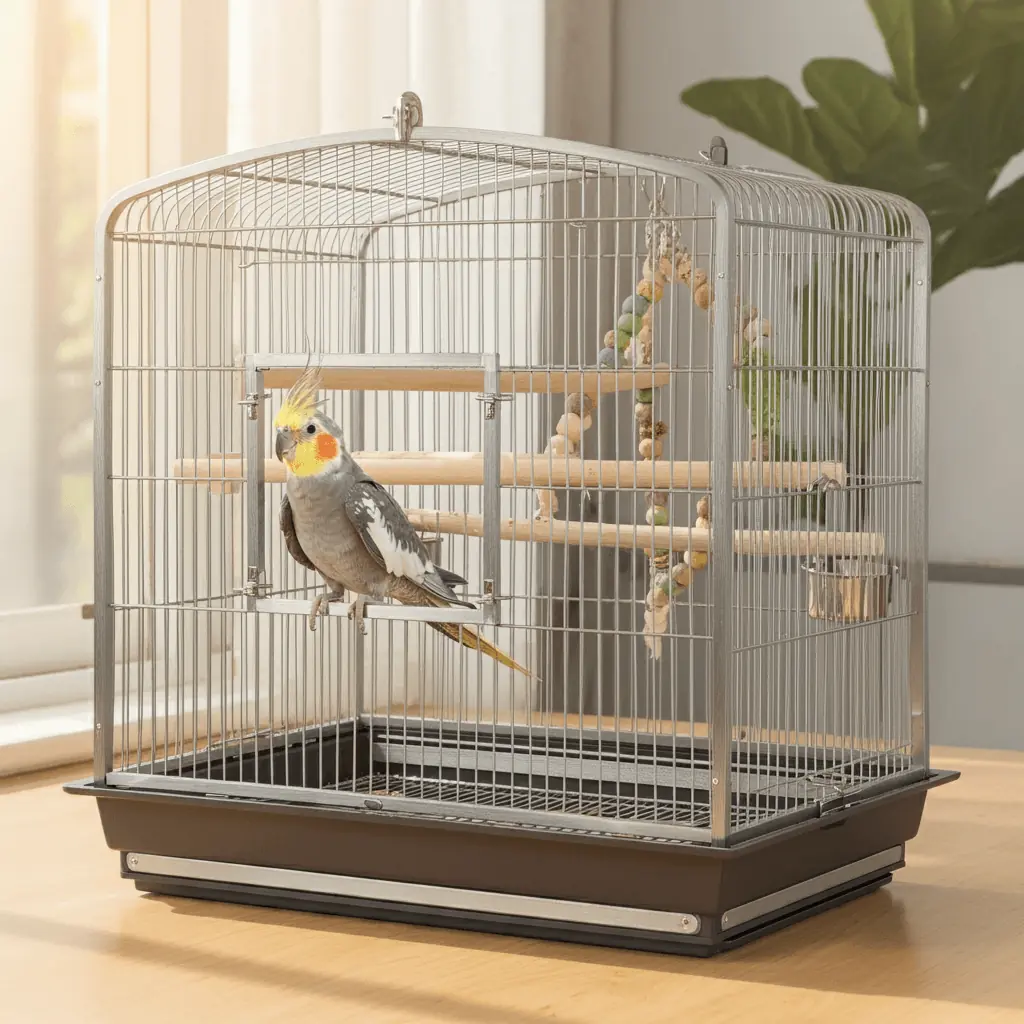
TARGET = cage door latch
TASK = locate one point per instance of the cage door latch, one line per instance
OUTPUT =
(251, 403)
(491, 400)
(254, 585)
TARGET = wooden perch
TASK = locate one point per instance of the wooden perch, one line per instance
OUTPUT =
(524, 470)
(584, 380)
(759, 543)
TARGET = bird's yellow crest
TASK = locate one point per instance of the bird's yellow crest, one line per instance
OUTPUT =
(300, 403)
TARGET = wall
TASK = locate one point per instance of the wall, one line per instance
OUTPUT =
(976, 645)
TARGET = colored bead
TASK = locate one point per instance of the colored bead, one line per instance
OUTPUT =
(623, 339)
(608, 359)
(630, 324)
(645, 395)
(636, 304)
(657, 516)
(696, 560)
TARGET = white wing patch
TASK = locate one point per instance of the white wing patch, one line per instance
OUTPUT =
(398, 559)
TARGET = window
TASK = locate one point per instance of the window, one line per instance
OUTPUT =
(48, 117)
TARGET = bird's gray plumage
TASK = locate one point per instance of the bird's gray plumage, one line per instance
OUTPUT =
(348, 528)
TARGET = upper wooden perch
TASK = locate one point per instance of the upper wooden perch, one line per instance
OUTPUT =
(585, 380)
(525, 470)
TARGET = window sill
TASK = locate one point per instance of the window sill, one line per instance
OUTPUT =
(45, 737)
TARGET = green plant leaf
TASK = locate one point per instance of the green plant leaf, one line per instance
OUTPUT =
(946, 50)
(983, 127)
(765, 110)
(895, 20)
(997, 22)
(992, 238)
(857, 110)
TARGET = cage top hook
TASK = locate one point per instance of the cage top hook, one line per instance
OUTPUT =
(717, 152)
(406, 114)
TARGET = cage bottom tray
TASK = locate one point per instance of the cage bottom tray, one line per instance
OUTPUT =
(463, 872)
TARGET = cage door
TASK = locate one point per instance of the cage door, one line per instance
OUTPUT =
(476, 375)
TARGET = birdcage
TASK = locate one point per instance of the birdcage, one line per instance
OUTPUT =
(666, 422)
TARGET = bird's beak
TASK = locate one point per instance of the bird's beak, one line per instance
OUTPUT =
(284, 444)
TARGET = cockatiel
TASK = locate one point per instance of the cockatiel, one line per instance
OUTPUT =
(342, 524)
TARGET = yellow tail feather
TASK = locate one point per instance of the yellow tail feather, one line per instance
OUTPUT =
(468, 637)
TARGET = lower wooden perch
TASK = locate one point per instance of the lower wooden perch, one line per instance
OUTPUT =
(524, 470)
(759, 543)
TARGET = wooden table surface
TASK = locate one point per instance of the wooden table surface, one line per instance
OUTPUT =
(944, 942)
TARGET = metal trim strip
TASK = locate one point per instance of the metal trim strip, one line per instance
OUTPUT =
(747, 912)
(354, 887)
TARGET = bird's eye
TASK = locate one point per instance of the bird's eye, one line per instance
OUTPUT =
(311, 429)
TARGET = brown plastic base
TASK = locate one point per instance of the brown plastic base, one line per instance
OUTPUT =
(684, 879)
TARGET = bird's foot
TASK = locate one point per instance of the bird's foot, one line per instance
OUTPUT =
(322, 607)
(357, 613)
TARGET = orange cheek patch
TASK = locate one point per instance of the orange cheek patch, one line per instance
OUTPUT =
(326, 447)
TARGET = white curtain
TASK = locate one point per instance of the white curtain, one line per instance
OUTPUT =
(304, 67)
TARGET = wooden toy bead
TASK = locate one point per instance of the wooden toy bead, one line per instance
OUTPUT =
(657, 515)
(648, 317)
(645, 395)
(558, 445)
(644, 415)
(636, 304)
(580, 404)
(701, 523)
(658, 598)
(623, 339)
(682, 577)
(700, 288)
(661, 559)
(650, 449)
(683, 266)
(696, 560)
(657, 276)
(642, 345)
(704, 507)
(570, 426)
(648, 291)
(611, 339)
(655, 498)
(608, 358)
